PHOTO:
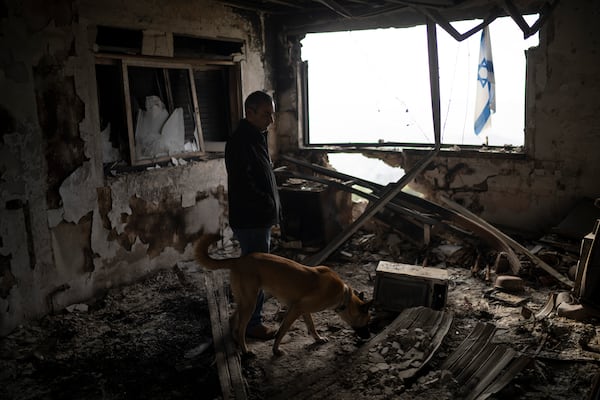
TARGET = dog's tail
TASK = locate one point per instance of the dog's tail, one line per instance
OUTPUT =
(201, 252)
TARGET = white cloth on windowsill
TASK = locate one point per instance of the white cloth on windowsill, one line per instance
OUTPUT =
(157, 133)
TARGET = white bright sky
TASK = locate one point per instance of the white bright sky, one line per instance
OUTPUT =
(366, 86)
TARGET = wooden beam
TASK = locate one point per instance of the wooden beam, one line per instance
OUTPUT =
(233, 385)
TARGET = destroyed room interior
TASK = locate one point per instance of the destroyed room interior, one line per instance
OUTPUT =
(438, 155)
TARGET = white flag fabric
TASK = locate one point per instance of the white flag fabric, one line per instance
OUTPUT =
(485, 97)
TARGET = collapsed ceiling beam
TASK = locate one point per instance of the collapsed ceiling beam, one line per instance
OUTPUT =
(447, 26)
(454, 215)
(436, 212)
(517, 16)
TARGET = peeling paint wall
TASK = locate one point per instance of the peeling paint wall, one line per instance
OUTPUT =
(509, 192)
(67, 231)
(560, 167)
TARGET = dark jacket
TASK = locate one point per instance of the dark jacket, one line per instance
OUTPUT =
(252, 189)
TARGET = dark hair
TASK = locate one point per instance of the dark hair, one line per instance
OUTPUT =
(256, 99)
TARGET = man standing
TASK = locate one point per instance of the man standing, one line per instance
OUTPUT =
(254, 205)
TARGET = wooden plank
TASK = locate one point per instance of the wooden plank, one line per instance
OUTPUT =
(233, 356)
(233, 385)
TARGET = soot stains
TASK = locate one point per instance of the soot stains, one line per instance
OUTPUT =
(60, 111)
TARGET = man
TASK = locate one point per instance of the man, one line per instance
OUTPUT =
(254, 205)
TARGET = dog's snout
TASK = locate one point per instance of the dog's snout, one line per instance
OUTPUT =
(363, 332)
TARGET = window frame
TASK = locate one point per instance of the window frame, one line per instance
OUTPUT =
(304, 136)
(234, 96)
(122, 62)
(129, 61)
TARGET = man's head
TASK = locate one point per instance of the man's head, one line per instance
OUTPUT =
(259, 108)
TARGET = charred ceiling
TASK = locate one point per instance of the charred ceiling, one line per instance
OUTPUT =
(330, 15)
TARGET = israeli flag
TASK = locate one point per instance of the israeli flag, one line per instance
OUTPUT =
(485, 97)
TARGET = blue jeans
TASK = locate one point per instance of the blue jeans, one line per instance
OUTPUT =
(254, 240)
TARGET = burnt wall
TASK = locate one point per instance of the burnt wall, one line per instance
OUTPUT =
(60, 111)
(70, 227)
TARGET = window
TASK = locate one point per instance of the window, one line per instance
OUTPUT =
(157, 109)
(218, 89)
(372, 87)
(162, 111)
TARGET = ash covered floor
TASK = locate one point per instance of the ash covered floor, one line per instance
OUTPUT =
(152, 340)
(142, 341)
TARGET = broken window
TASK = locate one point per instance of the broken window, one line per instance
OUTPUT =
(153, 110)
(218, 89)
(162, 111)
(372, 87)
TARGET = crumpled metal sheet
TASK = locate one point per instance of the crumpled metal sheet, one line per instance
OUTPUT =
(481, 367)
(417, 324)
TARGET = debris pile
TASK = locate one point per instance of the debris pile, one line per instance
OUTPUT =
(404, 352)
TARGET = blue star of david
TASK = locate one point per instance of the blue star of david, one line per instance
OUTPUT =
(487, 66)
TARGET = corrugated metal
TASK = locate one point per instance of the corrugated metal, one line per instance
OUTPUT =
(482, 367)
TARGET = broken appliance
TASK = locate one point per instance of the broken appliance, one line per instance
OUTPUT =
(399, 286)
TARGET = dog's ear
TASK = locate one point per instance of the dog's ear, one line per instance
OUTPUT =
(360, 295)
(364, 308)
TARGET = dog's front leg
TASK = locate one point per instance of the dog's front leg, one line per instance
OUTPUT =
(311, 328)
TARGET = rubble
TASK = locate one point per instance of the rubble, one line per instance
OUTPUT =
(153, 339)
(386, 373)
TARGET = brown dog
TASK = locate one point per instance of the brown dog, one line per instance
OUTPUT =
(303, 289)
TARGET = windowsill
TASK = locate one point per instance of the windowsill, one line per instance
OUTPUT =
(212, 147)
(474, 152)
(511, 152)
(112, 170)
